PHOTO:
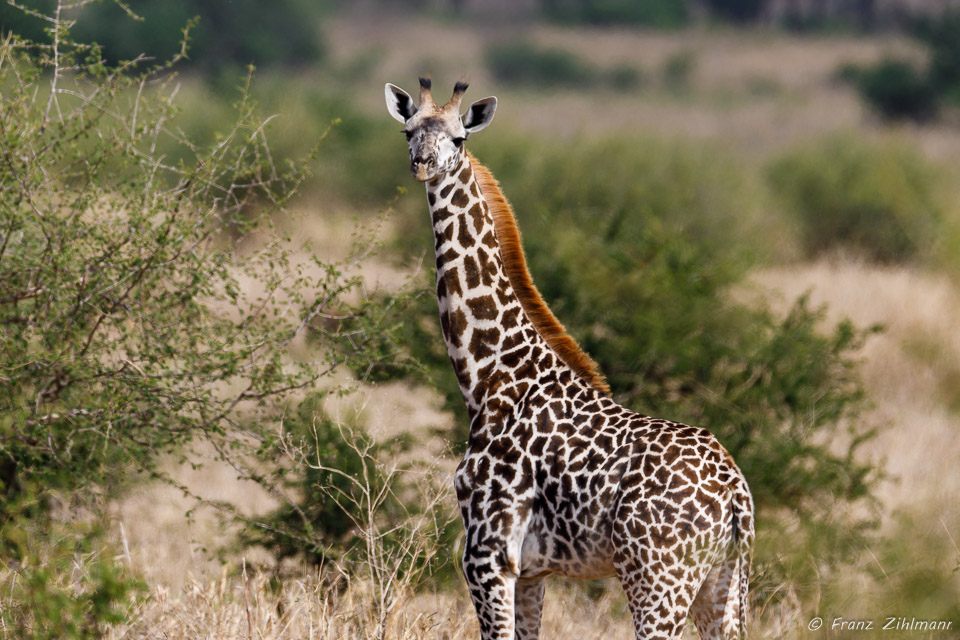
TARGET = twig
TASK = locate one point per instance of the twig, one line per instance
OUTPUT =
(246, 600)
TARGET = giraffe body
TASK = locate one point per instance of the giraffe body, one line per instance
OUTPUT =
(557, 477)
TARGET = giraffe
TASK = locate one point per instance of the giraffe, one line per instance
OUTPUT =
(558, 478)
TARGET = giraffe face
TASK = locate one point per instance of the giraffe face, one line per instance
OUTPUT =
(435, 134)
(436, 144)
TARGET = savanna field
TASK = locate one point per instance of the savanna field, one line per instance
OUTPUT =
(226, 409)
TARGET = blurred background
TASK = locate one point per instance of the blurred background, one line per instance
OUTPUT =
(748, 211)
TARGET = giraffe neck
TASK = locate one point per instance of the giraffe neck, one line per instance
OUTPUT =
(487, 333)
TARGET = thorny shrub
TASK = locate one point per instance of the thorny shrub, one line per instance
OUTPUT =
(130, 326)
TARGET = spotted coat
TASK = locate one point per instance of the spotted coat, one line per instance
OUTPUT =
(557, 477)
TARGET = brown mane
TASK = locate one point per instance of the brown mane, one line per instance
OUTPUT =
(515, 265)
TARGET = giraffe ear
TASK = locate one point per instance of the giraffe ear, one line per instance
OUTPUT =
(479, 115)
(399, 103)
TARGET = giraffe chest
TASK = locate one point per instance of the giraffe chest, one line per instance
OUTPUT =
(570, 528)
(550, 487)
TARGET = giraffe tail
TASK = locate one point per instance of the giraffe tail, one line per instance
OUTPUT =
(743, 534)
(720, 607)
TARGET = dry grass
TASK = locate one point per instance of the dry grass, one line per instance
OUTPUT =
(169, 549)
(309, 608)
(327, 606)
(723, 57)
(918, 438)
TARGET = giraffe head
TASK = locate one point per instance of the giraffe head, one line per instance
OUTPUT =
(436, 133)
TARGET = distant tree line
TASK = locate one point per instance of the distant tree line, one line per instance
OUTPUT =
(287, 32)
(898, 88)
(861, 15)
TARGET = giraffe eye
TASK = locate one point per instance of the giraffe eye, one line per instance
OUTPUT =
(458, 141)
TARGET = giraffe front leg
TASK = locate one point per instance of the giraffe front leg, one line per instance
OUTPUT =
(529, 605)
(493, 591)
(495, 527)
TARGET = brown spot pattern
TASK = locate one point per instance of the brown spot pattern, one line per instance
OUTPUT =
(559, 479)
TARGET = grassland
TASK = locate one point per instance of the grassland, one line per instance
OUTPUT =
(756, 93)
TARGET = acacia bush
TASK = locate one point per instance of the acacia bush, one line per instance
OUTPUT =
(354, 168)
(942, 36)
(130, 327)
(884, 200)
(520, 62)
(113, 346)
(896, 89)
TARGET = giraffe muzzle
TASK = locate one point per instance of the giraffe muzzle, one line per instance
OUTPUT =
(424, 169)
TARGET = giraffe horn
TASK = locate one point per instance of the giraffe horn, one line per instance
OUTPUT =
(458, 90)
(425, 96)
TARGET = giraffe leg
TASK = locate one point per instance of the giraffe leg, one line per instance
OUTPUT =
(529, 605)
(658, 603)
(716, 609)
(493, 592)
(660, 576)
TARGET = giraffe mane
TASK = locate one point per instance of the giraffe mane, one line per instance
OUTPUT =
(515, 266)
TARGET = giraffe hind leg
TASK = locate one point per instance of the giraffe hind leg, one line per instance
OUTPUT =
(716, 610)
(659, 608)
(660, 588)
(529, 605)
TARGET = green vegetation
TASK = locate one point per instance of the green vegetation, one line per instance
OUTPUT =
(520, 63)
(70, 588)
(898, 90)
(928, 583)
(739, 11)
(355, 167)
(110, 263)
(942, 36)
(804, 17)
(881, 200)
(127, 334)
(677, 70)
